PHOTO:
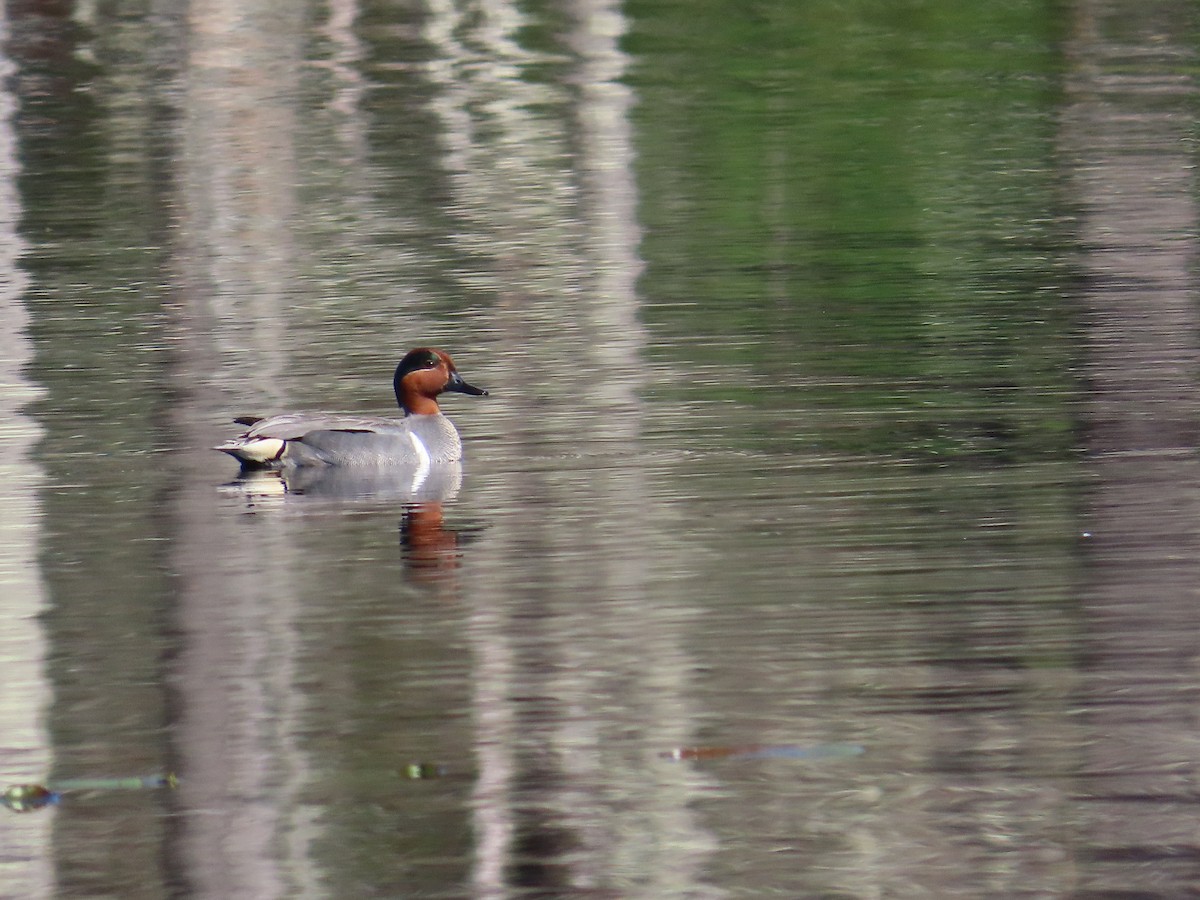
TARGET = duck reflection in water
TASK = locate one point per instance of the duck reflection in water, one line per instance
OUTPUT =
(428, 548)
(431, 550)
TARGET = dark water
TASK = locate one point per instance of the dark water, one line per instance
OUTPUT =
(830, 530)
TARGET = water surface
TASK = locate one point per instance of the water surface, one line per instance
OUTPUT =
(828, 532)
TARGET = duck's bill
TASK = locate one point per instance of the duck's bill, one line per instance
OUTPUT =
(461, 387)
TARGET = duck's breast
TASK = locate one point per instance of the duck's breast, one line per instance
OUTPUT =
(435, 437)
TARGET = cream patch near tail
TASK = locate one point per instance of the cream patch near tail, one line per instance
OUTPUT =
(259, 451)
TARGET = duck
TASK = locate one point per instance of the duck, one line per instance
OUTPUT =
(421, 438)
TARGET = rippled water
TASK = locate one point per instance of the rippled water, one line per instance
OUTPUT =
(828, 532)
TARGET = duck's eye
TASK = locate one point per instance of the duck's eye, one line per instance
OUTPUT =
(431, 363)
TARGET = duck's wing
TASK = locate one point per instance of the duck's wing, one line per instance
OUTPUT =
(352, 447)
(291, 426)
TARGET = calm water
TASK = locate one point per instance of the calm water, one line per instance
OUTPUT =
(830, 531)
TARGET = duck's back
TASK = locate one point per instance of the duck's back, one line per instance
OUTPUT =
(290, 426)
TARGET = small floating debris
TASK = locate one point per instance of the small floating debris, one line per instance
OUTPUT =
(765, 751)
(29, 797)
(419, 771)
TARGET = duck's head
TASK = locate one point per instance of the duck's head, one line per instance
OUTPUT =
(422, 375)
